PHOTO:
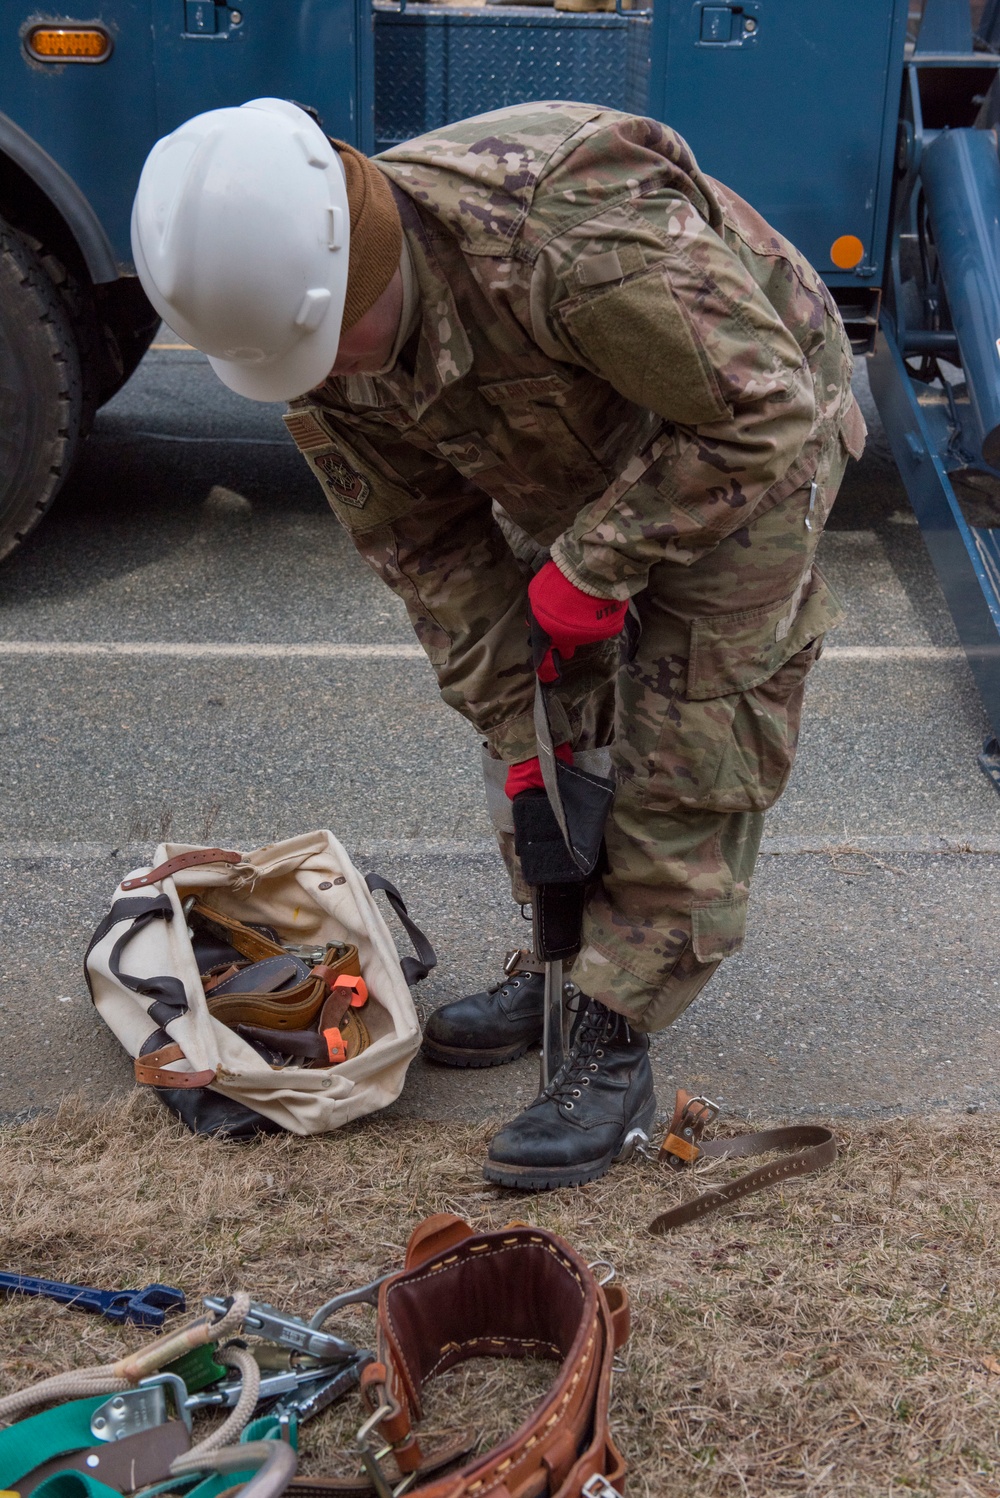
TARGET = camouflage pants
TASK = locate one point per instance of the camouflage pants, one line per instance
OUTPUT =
(706, 719)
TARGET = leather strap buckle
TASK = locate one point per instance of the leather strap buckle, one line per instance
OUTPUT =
(598, 1487)
(692, 1116)
(513, 960)
(372, 1457)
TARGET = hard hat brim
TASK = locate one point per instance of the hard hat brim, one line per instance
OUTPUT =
(307, 365)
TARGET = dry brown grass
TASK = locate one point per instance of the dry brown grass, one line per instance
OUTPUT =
(833, 1338)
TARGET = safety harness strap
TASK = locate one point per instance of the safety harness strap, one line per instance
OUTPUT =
(38, 1439)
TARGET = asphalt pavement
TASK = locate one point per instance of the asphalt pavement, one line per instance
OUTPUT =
(190, 648)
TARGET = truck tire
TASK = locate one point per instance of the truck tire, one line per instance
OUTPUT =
(40, 389)
(131, 323)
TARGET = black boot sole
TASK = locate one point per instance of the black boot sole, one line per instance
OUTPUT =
(551, 1177)
(450, 1055)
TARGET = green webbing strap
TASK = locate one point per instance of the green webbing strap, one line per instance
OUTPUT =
(266, 1428)
(65, 1429)
(73, 1485)
(55, 1432)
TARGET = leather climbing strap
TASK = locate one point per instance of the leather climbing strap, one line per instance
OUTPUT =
(151, 1069)
(808, 1147)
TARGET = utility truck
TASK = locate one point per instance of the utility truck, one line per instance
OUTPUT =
(863, 132)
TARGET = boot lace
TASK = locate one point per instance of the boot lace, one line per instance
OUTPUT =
(514, 974)
(598, 1027)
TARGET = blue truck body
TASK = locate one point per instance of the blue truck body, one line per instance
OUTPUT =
(819, 115)
(798, 114)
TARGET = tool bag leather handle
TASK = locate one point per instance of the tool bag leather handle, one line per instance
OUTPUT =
(414, 968)
(182, 861)
(168, 993)
(682, 1146)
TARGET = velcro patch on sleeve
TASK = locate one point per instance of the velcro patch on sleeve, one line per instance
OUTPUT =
(306, 430)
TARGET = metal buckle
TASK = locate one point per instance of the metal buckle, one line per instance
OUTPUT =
(512, 961)
(708, 1112)
(598, 1487)
(369, 1457)
(140, 1409)
(698, 1113)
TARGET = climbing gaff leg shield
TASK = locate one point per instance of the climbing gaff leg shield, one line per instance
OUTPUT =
(558, 837)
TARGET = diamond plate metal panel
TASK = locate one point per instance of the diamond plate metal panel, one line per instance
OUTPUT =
(433, 65)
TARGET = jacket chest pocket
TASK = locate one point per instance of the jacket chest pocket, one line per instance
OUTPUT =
(536, 416)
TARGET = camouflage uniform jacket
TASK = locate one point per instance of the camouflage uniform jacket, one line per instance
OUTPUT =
(612, 347)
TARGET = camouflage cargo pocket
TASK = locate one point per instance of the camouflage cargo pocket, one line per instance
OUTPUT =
(718, 927)
(728, 743)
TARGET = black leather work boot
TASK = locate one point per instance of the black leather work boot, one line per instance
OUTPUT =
(588, 1115)
(489, 1028)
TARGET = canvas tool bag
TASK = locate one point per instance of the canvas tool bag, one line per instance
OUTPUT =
(305, 1021)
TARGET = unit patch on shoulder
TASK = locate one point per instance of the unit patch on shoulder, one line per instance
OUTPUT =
(341, 479)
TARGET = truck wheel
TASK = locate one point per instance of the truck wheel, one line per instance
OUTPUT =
(40, 390)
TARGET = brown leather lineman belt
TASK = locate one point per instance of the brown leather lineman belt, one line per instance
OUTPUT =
(520, 1292)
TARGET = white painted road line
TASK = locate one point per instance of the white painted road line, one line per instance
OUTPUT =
(136, 854)
(893, 653)
(215, 441)
(183, 650)
(325, 650)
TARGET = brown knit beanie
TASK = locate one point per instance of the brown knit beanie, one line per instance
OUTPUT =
(376, 233)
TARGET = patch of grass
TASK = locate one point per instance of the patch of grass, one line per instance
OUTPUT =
(830, 1338)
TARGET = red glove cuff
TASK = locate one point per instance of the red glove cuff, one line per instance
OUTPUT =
(527, 775)
(570, 616)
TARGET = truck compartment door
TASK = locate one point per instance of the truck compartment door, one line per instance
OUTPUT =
(211, 53)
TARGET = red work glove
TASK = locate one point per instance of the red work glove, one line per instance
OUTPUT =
(569, 616)
(527, 775)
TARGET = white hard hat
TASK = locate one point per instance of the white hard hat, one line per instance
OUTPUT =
(240, 232)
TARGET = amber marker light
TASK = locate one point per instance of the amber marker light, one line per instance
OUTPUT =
(847, 252)
(68, 43)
